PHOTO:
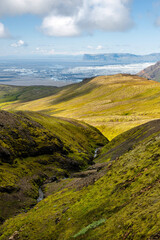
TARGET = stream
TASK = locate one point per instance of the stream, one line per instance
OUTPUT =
(41, 194)
(96, 152)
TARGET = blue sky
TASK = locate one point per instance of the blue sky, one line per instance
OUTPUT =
(47, 28)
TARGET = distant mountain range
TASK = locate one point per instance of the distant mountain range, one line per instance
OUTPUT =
(151, 72)
(122, 58)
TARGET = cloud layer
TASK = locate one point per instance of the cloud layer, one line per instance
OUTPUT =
(73, 17)
(3, 32)
(91, 15)
(40, 7)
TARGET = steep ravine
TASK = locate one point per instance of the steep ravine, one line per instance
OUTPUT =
(115, 198)
(91, 170)
(33, 149)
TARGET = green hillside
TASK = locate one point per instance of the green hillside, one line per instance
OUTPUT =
(113, 104)
(10, 93)
(117, 198)
(35, 147)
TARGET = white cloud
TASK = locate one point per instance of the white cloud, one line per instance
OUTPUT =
(20, 43)
(90, 47)
(60, 26)
(73, 17)
(105, 15)
(43, 51)
(3, 32)
(99, 47)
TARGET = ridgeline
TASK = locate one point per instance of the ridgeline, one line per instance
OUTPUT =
(113, 104)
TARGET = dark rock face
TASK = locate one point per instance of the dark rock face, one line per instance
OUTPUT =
(5, 155)
(152, 72)
(53, 179)
(9, 189)
(2, 220)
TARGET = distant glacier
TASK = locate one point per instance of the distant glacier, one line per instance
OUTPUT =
(58, 72)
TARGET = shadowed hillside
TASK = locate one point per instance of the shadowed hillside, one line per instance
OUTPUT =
(152, 72)
(116, 198)
(34, 148)
(113, 104)
(24, 94)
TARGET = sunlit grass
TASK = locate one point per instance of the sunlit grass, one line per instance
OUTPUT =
(111, 103)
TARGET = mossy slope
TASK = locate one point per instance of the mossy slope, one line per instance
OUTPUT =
(123, 204)
(35, 147)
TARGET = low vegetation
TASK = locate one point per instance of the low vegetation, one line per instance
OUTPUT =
(123, 203)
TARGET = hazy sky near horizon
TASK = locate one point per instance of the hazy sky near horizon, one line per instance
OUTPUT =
(50, 27)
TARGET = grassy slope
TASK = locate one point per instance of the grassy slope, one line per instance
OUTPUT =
(113, 104)
(123, 204)
(34, 147)
(10, 93)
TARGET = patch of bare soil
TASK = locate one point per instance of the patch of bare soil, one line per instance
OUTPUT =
(78, 180)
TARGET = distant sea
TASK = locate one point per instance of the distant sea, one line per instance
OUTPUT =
(58, 72)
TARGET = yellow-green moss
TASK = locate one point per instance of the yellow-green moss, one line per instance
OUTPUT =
(127, 197)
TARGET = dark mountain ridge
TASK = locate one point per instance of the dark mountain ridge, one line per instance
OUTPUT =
(151, 72)
(122, 58)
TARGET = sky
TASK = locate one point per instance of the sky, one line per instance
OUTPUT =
(74, 27)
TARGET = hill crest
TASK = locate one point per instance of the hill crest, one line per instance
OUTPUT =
(113, 104)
